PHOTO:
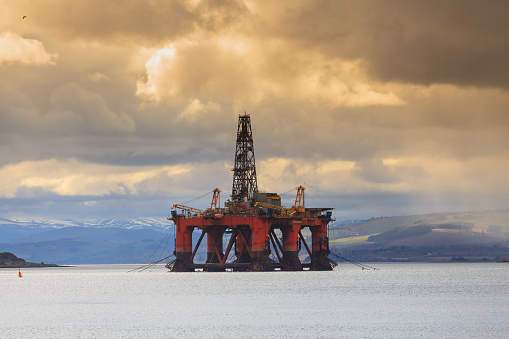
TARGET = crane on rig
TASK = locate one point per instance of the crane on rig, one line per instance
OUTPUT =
(215, 200)
(188, 210)
(297, 207)
(191, 211)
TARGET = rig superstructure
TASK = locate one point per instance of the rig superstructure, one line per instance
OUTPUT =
(252, 219)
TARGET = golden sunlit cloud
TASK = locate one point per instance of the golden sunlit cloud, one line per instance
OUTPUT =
(237, 67)
(75, 178)
(195, 109)
(14, 49)
(391, 175)
(97, 77)
(157, 66)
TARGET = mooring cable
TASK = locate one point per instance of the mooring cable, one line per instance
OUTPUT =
(160, 243)
(164, 249)
(144, 267)
(363, 266)
(155, 263)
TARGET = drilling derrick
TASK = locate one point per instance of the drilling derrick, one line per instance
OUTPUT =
(244, 172)
(263, 234)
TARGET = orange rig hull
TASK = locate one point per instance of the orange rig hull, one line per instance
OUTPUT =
(253, 239)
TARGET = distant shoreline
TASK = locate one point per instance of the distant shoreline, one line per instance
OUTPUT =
(9, 260)
(34, 266)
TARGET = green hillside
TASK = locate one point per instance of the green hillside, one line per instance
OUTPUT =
(486, 220)
(472, 236)
(8, 260)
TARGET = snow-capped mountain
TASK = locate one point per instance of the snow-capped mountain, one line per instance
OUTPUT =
(152, 223)
(12, 229)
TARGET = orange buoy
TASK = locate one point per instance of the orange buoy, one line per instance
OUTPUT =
(19, 274)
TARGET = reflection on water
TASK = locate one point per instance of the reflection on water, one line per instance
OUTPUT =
(397, 301)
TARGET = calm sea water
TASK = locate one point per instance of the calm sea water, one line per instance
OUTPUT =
(396, 301)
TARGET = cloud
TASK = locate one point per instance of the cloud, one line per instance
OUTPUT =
(159, 64)
(249, 71)
(459, 42)
(375, 171)
(75, 108)
(454, 42)
(179, 72)
(97, 77)
(429, 183)
(127, 21)
(76, 178)
(41, 188)
(14, 49)
(195, 109)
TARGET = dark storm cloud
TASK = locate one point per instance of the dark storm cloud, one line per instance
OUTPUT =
(120, 22)
(374, 171)
(163, 155)
(461, 42)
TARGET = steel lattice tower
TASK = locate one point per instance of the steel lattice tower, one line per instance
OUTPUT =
(244, 172)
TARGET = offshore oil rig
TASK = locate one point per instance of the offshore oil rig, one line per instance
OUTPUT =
(253, 219)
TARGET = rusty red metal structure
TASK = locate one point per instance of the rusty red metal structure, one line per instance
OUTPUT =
(263, 235)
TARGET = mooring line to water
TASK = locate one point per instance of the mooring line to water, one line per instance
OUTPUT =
(144, 267)
(363, 266)
(160, 243)
(154, 263)
(164, 249)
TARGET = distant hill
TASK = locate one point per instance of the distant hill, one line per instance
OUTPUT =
(92, 233)
(70, 242)
(9, 260)
(482, 220)
(81, 251)
(15, 229)
(477, 236)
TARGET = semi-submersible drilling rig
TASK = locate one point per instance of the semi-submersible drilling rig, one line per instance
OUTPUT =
(252, 218)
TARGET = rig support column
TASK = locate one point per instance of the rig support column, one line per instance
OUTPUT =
(242, 248)
(320, 247)
(183, 248)
(291, 259)
(260, 228)
(215, 248)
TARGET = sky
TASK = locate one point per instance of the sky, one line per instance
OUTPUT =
(119, 109)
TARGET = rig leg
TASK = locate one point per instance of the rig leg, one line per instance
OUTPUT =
(260, 228)
(320, 248)
(291, 259)
(215, 248)
(183, 249)
(242, 248)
